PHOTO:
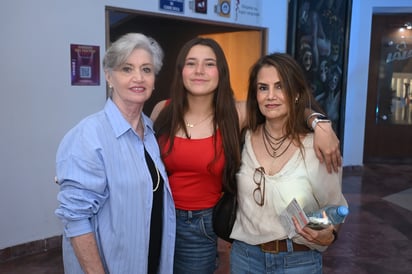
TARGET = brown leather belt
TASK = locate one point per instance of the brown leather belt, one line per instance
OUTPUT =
(281, 246)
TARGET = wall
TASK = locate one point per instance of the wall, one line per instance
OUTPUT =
(39, 105)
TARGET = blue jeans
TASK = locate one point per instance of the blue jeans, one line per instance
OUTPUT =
(196, 242)
(245, 258)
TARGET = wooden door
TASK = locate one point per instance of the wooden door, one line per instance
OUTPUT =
(388, 130)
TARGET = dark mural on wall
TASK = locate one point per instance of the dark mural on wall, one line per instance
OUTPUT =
(318, 39)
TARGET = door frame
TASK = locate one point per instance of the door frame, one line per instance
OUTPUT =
(172, 32)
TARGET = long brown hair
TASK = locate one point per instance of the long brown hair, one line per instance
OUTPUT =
(295, 88)
(225, 117)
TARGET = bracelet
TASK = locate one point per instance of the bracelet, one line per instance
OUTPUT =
(319, 120)
(319, 115)
(335, 235)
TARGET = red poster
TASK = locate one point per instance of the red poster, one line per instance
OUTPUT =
(85, 63)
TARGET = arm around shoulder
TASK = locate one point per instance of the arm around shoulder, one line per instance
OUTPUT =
(241, 111)
(326, 145)
(157, 109)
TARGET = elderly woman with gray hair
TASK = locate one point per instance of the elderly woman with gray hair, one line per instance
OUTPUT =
(115, 200)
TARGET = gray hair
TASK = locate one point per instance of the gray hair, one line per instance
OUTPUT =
(120, 50)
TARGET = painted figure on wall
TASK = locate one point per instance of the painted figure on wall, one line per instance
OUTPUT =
(320, 34)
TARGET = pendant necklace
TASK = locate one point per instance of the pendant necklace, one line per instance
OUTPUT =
(190, 125)
(274, 143)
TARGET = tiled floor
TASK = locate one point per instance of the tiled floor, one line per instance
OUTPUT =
(376, 238)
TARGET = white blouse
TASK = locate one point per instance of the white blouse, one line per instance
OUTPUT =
(302, 178)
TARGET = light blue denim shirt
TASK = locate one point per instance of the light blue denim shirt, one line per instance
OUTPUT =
(106, 188)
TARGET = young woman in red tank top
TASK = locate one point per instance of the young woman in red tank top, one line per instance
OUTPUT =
(198, 131)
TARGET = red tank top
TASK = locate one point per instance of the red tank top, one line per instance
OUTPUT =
(194, 182)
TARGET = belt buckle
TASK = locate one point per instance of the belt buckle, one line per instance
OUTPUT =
(274, 250)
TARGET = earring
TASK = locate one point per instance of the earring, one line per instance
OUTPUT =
(296, 99)
(110, 86)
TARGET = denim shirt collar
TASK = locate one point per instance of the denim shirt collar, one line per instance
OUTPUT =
(119, 124)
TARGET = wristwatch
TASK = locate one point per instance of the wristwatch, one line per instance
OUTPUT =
(320, 119)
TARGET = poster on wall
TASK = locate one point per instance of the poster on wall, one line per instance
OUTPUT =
(235, 11)
(198, 6)
(85, 67)
(172, 5)
(318, 39)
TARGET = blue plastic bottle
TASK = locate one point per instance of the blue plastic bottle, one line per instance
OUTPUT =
(336, 214)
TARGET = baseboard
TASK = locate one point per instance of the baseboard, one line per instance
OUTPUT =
(388, 160)
(30, 248)
(353, 169)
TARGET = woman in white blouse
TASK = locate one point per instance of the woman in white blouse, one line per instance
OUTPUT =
(279, 164)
